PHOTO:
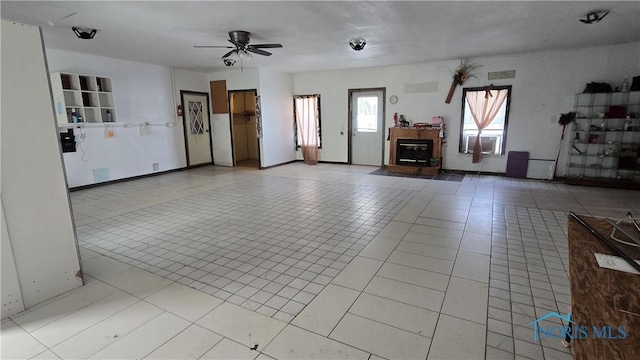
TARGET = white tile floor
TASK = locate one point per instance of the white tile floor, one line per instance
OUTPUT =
(313, 262)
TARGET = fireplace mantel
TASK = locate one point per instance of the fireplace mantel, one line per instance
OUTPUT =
(396, 134)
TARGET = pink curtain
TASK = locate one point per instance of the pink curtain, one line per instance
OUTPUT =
(307, 119)
(484, 106)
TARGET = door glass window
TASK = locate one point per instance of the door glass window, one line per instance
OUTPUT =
(367, 117)
(195, 117)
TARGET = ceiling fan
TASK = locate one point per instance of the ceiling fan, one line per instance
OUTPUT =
(241, 49)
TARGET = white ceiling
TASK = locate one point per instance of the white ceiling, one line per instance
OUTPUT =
(315, 34)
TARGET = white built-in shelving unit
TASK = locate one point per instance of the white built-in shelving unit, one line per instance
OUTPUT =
(91, 97)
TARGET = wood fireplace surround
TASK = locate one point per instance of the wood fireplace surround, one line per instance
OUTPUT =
(417, 148)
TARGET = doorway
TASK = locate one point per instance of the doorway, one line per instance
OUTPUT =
(366, 126)
(196, 125)
(244, 138)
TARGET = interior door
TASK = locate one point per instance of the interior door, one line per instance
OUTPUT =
(196, 124)
(367, 127)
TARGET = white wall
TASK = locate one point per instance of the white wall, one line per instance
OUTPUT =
(276, 98)
(142, 93)
(544, 87)
(12, 302)
(334, 101)
(220, 124)
(188, 80)
(34, 191)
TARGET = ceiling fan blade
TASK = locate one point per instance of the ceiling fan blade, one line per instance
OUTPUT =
(229, 53)
(52, 23)
(214, 46)
(258, 51)
(266, 46)
(237, 44)
(70, 15)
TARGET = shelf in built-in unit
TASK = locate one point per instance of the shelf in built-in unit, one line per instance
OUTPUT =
(90, 96)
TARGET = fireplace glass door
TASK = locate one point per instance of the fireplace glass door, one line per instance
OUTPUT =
(414, 152)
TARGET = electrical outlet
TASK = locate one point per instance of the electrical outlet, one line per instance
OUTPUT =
(156, 167)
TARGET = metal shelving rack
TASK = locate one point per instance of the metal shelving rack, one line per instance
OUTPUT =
(605, 140)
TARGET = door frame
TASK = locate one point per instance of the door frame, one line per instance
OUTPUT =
(185, 126)
(350, 121)
(229, 100)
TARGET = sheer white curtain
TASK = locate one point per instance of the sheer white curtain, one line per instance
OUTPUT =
(307, 122)
(484, 106)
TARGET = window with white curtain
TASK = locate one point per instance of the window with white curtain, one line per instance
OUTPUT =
(494, 136)
(306, 102)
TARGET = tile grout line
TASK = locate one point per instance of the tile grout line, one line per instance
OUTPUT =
(445, 294)
(362, 291)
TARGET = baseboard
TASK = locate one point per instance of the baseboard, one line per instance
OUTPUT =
(83, 187)
(501, 174)
(276, 165)
(332, 162)
(326, 162)
(298, 160)
(471, 172)
(195, 166)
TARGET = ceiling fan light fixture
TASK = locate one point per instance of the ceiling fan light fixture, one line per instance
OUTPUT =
(233, 56)
(83, 33)
(244, 55)
(357, 44)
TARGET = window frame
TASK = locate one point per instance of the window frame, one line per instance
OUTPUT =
(503, 136)
(295, 121)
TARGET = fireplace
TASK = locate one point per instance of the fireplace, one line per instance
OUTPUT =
(414, 152)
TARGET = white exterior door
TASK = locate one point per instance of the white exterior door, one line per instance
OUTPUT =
(367, 127)
(197, 129)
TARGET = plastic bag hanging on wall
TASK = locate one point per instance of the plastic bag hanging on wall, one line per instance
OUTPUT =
(108, 132)
(144, 128)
